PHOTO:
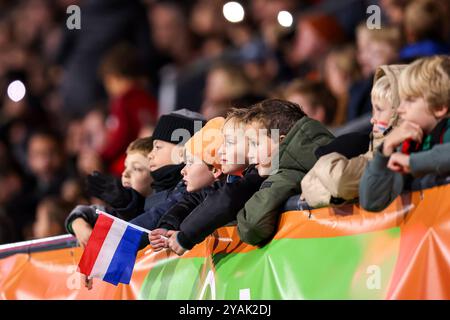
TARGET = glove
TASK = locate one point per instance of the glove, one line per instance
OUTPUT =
(108, 189)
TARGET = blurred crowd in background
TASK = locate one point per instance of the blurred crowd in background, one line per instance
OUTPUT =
(72, 100)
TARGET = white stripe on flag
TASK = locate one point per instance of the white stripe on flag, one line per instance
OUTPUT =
(108, 249)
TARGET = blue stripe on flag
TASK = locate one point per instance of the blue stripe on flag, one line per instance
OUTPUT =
(122, 263)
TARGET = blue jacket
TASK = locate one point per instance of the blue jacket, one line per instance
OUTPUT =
(156, 206)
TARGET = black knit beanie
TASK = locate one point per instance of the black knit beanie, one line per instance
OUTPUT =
(185, 119)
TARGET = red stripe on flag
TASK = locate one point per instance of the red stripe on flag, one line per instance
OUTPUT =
(95, 243)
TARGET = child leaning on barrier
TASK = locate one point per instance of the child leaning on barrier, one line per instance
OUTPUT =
(136, 176)
(263, 127)
(284, 168)
(202, 174)
(410, 157)
(335, 178)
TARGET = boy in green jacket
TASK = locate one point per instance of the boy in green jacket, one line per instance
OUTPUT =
(257, 221)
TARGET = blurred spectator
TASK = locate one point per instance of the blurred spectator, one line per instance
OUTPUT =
(224, 82)
(131, 106)
(104, 24)
(375, 47)
(316, 34)
(6, 229)
(314, 98)
(50, 216)
(340, 71)
(394, 10)
(426, 28)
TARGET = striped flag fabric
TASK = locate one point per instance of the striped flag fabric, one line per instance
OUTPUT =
(110, 253)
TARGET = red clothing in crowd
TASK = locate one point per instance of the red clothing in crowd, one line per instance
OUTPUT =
(128, 114)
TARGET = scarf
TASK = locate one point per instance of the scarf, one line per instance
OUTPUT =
(166, 177)
(439, 135)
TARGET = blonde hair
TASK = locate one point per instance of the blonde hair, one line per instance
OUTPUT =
(390, 35)
(428, 78)
(345, 58)
(382, 91)
(141, 145)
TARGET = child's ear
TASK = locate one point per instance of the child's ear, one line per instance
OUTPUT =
(216, 173)
(282, 137)
(441, 111)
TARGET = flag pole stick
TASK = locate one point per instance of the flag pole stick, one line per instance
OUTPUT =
(131, 224)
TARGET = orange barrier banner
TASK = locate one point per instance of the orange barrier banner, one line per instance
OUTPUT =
(329, 253)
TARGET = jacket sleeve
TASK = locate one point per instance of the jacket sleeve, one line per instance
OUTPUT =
(87, 213)
(435, 160)
(218, 209)
(257, 221)
(134, 208)
(379, 186)
(172, 219)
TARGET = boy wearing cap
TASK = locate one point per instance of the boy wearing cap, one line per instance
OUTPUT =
(165, 164)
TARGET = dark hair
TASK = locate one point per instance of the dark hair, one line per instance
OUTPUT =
(275, 114)
(317, 93)
(48, 134)
(122, 60)
(57, 209)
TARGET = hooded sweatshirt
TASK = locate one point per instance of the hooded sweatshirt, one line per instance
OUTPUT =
(334, 178)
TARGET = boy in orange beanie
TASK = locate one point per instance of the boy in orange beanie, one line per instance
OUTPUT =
(201, 172)
(202, 166)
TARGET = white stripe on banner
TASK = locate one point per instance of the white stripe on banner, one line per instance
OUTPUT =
(108, 249)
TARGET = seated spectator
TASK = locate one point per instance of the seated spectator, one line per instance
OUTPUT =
(400, 162)
(335, 178)
(314, 98)
(425, 26)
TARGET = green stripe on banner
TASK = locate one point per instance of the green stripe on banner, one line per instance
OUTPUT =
(347, 267)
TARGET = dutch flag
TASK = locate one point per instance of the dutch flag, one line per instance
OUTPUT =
(110, 253)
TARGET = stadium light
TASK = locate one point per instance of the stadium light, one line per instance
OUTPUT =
(285, 19)
(16, 90)
(233, 11)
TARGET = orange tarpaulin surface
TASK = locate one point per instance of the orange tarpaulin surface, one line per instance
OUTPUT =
(422, 269)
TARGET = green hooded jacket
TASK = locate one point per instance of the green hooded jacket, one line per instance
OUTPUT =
(257, 221)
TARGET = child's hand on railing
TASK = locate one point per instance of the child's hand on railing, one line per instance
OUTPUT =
(158, 239)
(82, 231)
(174, 245)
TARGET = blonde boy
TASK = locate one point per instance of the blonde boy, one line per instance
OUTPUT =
(407, 153)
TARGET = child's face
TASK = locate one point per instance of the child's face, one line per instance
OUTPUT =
(382, 113)
(137, 174)
(163, 154)
(196, 174)
(417, 111)
(262, 148)
(234, 149)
